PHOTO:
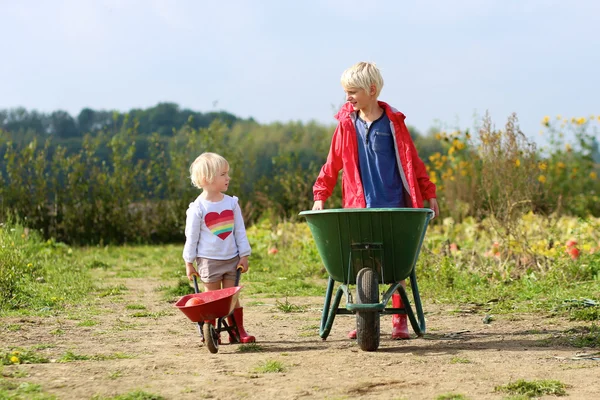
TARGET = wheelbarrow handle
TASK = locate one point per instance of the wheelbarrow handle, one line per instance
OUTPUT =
(238, 273)
(196, 290)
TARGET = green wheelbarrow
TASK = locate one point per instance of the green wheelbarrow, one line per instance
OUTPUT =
(366, 247)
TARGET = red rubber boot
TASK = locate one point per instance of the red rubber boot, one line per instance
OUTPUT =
(399, 321)
(238, 314)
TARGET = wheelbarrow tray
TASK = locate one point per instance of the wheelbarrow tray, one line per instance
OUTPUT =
(217, 304)
(386, 239)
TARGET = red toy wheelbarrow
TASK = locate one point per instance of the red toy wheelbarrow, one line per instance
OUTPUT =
(215, 305)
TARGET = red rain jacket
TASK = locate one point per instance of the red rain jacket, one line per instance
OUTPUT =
(343, 155)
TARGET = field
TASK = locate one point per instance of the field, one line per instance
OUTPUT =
(99, 323)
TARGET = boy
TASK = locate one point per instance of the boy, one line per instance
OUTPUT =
(382, 169)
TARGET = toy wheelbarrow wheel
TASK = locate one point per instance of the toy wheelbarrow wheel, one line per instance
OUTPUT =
(367, 322)
(211, 337)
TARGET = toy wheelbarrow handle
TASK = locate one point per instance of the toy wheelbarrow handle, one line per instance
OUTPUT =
(238, 273)
(196, 290)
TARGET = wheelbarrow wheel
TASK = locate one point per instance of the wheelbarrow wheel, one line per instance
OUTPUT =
(367, 322)
(211, 338)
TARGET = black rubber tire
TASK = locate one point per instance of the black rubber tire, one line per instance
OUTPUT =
(211, 338)
(367, 322)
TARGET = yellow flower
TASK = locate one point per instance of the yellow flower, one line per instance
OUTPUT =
(517, 163)
(438, 136)
(14, 360)
(568, 147)
(451, 150)
(542, 166)
(29, 265)
(560, 165)
(546, 121)
(542, 179)
(581, 121)
(593, 175)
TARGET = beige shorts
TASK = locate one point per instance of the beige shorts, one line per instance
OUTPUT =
(217, 270)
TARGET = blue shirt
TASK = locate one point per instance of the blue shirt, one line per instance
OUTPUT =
(377, 163)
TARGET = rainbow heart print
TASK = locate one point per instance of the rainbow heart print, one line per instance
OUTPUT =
(221, 224)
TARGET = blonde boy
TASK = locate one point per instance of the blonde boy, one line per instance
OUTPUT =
(381, 167)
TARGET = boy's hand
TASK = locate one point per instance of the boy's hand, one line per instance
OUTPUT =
(190, 271)
(433, 204)
(318, 205)
(244, 263)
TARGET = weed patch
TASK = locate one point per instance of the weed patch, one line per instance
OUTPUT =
(534, 388)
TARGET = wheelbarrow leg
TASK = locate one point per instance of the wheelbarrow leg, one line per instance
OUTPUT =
(417, 298)
(329, 312)
(418, 326)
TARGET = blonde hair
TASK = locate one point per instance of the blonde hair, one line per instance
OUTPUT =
(206, 167)
(363, 75)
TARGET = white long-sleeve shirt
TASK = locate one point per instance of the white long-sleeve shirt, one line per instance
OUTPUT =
(215, 230)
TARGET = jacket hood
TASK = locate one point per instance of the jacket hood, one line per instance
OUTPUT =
(347, 110)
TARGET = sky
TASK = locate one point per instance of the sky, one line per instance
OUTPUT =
(444, 63)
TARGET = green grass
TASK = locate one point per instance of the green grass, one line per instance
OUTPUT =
(533, 388)
(69, 356)
(135, 307)
(451, 396)
(39, 277)
(22, 391)
(249, 348)
(147, 314)
(288, 307)
(270, 366)
(87, 322)
(19, 355)
(68, 275)
(583, 336)
(112, 290)
(135, 395)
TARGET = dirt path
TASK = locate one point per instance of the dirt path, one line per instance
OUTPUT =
(460, 354)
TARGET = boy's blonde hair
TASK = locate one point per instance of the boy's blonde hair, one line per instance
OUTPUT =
(362, 75)
(206, 167)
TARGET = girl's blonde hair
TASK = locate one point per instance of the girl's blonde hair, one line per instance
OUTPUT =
(206, 167)
(362, 75)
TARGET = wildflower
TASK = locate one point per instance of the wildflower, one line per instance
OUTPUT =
(14, 360)
(560, 165)
(438, 136)
(29, 265)
(542, 166)
(542, 179)
(581, 121)
(432, 177)
(517, 163)
(568, 148)
(593, 175)
(546, 121)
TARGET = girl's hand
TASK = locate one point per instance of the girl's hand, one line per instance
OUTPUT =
(190, 271)
(433, 204)
(318, 205)
(244, 263)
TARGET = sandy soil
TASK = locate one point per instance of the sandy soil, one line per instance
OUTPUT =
(459, 354)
